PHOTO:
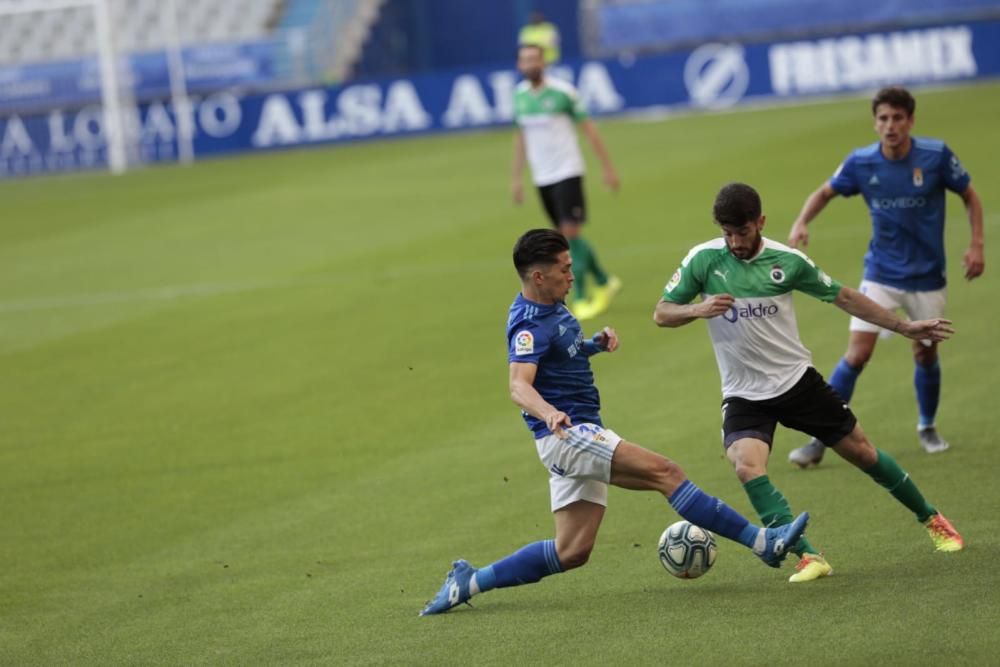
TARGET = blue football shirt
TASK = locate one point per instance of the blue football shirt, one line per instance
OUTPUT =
(906, 200)
(550, 337)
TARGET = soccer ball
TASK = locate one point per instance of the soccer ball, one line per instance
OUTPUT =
(686, 551)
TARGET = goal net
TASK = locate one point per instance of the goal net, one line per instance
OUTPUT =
(70, 46)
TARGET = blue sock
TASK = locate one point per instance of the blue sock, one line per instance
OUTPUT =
(843, 378)
(927, 381)
(711, 513)
(525, 566)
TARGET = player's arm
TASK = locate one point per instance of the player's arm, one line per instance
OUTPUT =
(526, 397)
(672, 315)
(815, 203)
(517, 169)
(857, 304)
(589, 129)
(975, 257)
(605, 340)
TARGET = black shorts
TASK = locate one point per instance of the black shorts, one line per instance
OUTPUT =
(563, 201)
(811, 406)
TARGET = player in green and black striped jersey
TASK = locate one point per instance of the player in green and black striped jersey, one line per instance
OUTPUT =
(547, 111)
(746, 283)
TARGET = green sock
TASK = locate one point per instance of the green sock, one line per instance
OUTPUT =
(897, 481)
(773, 509)
(593, 266)
(579, 251)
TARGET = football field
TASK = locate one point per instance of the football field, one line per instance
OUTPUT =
(251, 410)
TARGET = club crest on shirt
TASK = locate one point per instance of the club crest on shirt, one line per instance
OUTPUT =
(524, 343)
(918, 176)
(674, 281)
(777, 274)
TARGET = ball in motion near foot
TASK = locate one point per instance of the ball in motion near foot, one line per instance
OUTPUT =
(686, 551)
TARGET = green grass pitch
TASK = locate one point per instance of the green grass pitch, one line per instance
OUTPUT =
(251, 410)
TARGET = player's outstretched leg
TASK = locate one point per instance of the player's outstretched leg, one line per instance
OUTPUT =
(636, 468)
(525, 566)
(882, 468)
(771, 545)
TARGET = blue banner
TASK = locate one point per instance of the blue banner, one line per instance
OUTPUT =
(76, 83)
(667, 24)
(713, 76)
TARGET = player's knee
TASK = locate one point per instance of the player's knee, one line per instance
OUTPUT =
(925, 355)
(746, 472)
(667, 474)
(575, 555)
(864, 456)
(569, 228)
(858, 357)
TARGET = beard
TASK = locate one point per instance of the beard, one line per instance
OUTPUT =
(533, 75)
(747, 253)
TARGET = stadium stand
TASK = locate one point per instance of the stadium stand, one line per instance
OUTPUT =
(69, 34)
(48, 57)
(649, 25)
(336, 30)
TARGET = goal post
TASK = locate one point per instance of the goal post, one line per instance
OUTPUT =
(112, 106)
(169, 10)
(119, 112)
(114, 118)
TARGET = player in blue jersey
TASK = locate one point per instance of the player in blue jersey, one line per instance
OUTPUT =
(903, 180)
(551, 381)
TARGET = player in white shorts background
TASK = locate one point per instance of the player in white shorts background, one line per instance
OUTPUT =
(903, 181)
(551, 381)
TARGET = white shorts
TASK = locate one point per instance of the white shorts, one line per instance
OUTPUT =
(916, 305)
(580, 465)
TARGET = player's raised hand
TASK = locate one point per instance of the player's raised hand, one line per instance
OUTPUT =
(715, 305)
(799, 235)
(936, 329)
(974, 261)
(606, 339)
(555, 422)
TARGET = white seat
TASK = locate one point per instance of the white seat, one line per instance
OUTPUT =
(138, 25)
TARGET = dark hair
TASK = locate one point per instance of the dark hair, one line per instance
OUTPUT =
(897, 97)
(736, 205)
(538, 246)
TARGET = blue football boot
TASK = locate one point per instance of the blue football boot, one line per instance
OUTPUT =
(455, 589)
(773, 544)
